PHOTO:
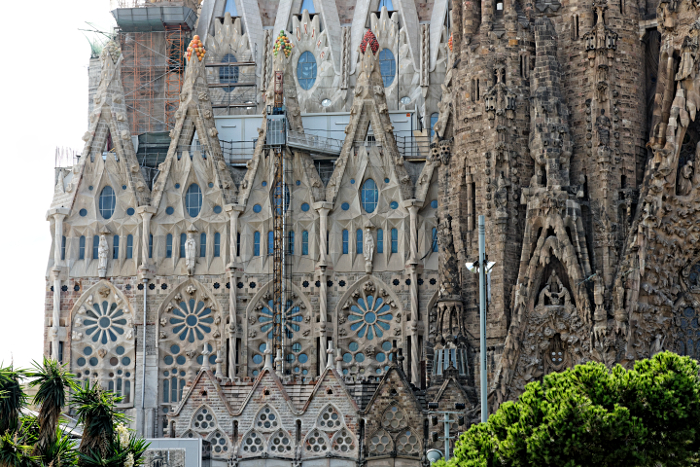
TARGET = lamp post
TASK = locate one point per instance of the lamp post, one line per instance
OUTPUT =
(482, 267)
(446, 420)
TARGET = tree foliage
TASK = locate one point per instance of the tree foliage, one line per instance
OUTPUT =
(589, 416)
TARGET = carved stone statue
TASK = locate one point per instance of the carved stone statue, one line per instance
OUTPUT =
(102, 253)
(602, 124)
(685, 179)
(554, 293)
(369, 246)
(501, 196)
(190, 247)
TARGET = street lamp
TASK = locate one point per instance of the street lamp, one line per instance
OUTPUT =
(446, 420)
(482, 267)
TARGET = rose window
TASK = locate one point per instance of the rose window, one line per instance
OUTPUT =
(380, 443)
(191, 320)
(219, 443)
(329, 419)
(343, 442)
(267, 419)
(407, 443)
(394, 418)
(316, 443)
(281, 443)
(369, 316)
(253, 443)
(292, 318)
(104, 321)
(203, 420)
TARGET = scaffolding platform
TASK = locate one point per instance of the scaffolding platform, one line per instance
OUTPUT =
(313, 143)
(154, 19)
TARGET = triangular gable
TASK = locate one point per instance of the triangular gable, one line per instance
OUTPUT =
(108, 120)
(451, 387)
(370, 108)
(330, 379)
(205, 380)
(196, 114)
(268, 379)
(396, 378)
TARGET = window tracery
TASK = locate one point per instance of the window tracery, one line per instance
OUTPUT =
(281, 443)
(316, 443)
(103, 341)
(329, 419)
(219, 443)
(267, 419)
(394, 418)
(203, 419)
(343, 442)
(380, 443)
(253, 443)
(408, 443)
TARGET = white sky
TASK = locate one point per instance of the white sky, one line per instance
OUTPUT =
(44, 86)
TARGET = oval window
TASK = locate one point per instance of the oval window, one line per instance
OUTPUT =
(370, 195)
(326, 102)
(387, 65)
(228, 74)
(108, 201)
(306, 70)
(193, 200)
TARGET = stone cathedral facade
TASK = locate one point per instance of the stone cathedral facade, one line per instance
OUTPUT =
(569, 125)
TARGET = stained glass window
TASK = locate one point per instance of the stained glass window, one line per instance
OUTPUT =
(394, 241)
(217, 245)
(193, 200)
(435, 241)
(108, 201)
(183, 239)
(81, 250)
(256, 244)
(370, 195)
(228, 74)
(380, 240)
(129, 246)
(169, 246)
(203, 245)
(387, 66)
(115, 247)
(305, 242)
(345, 242)
(358, 241)
(306, 70)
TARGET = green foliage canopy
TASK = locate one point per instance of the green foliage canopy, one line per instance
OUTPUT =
(589, 416)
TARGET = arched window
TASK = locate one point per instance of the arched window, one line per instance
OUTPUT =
(108, 201)
(435, 244)
(270, 243)
(345, 242)
(387, 65)
(129, 246)
(238, 244)
(290, 243)
(150, 246)
(95, 246)
(256, 244)
(81, 249)
(306, 70)
(228, 74)
(433, 121)
(169, 246)
(309, 6)
(193, 200)
(358, 241)
(183, 240)
(305, 242)
(115, 247)
(63, 248)
(394, 241)
(217, 245)
(370, 195)
(386, 3)
(231, 8)
(203, 245)
(380, 240)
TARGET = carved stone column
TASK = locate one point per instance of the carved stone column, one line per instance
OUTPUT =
(58, 215)
(234, 210)
(412, 206)
(413, 327)
(323, 209)
(146, 215)
(233, 324)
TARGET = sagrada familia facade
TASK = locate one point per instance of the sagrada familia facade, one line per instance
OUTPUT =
(571, 126)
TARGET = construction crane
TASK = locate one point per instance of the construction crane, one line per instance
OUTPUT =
(276, 140)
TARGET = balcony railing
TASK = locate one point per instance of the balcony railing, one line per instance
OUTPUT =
(314, 143)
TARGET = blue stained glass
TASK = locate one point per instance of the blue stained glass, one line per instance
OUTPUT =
(380, 357)
(296, 347)
(181, 360)
(217, 245)
(203, 245)
(217, 209)
(303, 358)
(95, 246)
(193, 200)
(345, 206)
(83, 212)
(183, 239)
(358, 241)
(81, 361)
(305, 207)
(175, 349)
(352, 181)
(380, 240)
(168, 360)
(386, 180)
(306, 70)
(256, 244)
(394, 241)
(228, 74)
(387, 65)
(169, 246)
(369, 195)
(257, 359)
(347, 357)
(345, 242)
(434, 204)
(433, 121)
(354, 346)
(298, 182)
(81, 249)
(270, 243)
(115, 247)
(130, 211)
(305, 242)
(108, 201)
(360, 357)
(435, 240)
(264, 183)
(257, 208)
(394, 205)
(386, 346)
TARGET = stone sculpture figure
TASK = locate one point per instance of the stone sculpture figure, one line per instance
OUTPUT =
(501, 197)
(602, 124)
(685, 180)
(102, 252)
(190, 247)
(369, 246)
(554, 292)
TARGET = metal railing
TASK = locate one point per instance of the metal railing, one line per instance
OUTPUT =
(235, 152)
(226, 77)
(151, 3)
(410, 147)
(314, 143)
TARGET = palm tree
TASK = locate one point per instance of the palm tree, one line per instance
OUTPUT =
(95, 410)
(12, 400)
(54, 381)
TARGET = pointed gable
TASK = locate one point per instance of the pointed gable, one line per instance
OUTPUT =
(370, 110)
(195, 114)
